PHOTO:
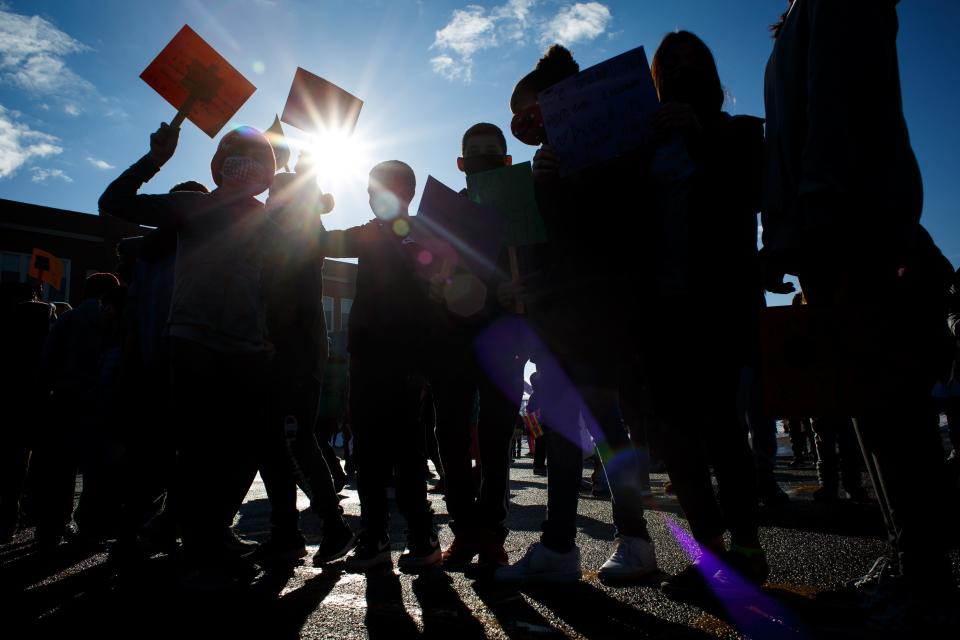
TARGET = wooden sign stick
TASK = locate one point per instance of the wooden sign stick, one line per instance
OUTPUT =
(515, 274)
(184, 110)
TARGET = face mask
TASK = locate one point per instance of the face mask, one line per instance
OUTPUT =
(486, 162)
(245, 171)
(527, 126)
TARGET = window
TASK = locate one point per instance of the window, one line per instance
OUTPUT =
(16, 266)
(345, 304)
(328, 312)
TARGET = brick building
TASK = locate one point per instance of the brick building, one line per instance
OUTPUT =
(86, 244)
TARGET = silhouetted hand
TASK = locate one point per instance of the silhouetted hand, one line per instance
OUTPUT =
(546, 163)
(509, 293)
(772, 275)
(676, 117)
(163, 143)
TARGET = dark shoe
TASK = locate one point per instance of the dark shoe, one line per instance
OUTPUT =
(370, 553)
(423, 552)
(773, 496)
(338, 541)
(237, 545)
(281, 550)
(492, 553)
(539, 471)
(222, 574)
(461, 551)
(798, 461)
(689, 584)
(826, 494)
(439, 488)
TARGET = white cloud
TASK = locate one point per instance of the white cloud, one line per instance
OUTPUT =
(20, 144)
(72, 110)
(32, 53)
(582, 21)
(474, 28)
(42, 175)
(100, 164)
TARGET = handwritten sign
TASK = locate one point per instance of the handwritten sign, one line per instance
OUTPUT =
(457, 229)
(46, 267)
(509, 191)
(317, 105)
(602, 112)
(198, 82)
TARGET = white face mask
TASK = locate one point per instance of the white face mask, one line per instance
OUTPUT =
(246, 172)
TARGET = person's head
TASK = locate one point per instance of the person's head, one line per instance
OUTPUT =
(391, 188)
(189, 185)
(556, 65)
(244, 162)
(98, 284)
(483, 148)
(684, 71)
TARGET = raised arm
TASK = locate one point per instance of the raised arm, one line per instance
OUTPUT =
(344, 243)
(121, 200)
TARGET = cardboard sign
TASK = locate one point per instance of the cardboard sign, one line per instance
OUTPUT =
(316, 105)
(602, 112)
(46, 267)
(198, 82)
(458, 230)
(509, 191)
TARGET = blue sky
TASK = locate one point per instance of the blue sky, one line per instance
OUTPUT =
(74, 113)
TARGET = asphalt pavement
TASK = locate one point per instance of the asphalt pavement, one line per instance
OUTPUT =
(811, 548)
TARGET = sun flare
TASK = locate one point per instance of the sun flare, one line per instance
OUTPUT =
(339, 159)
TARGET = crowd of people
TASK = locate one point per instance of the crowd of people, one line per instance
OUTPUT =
(205, 359)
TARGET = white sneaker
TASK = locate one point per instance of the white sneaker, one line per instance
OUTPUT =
(540, 564)
(633, 558)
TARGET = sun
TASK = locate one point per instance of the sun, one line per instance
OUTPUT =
(340, 159)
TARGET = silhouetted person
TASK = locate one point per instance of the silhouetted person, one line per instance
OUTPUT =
(458, 374)
(296, 324)
(386, 334)
(219, 351)
(582, 308)
(842, 205)
(24, 325)
(70, 373)
(707, 170)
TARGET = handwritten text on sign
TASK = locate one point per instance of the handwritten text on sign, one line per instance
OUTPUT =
(602, 112)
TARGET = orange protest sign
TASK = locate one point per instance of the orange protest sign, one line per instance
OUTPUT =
(198, 82)
(46, 267)
(316, 105)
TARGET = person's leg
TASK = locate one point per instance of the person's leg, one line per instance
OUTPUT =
(561, 409)
(498, 415)
(851, 460)
(373, 459)
(620, 462)
(14, 462)
(453, 396)
(54, 473)
(828, 471)
(540, 450)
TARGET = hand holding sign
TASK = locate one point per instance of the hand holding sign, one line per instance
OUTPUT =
(163, 143)
(198, 82)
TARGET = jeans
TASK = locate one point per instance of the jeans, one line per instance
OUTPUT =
(564, 401)
(454, 391)
(220, 402)
(296, 459)
(388, 436)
